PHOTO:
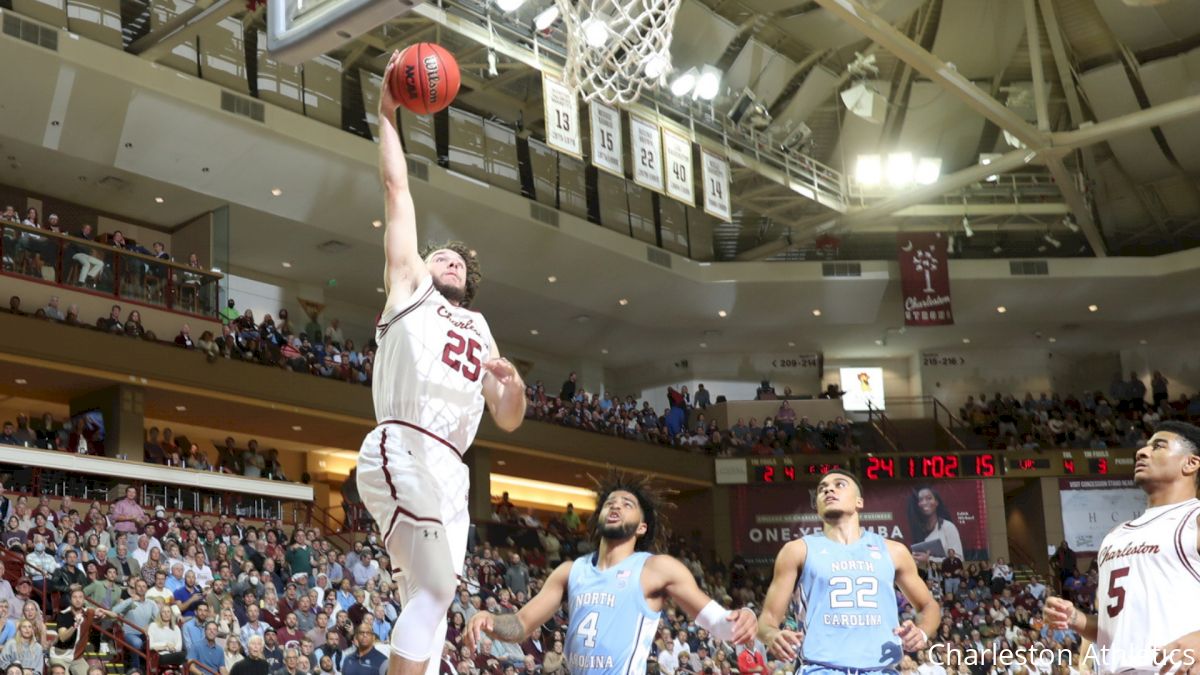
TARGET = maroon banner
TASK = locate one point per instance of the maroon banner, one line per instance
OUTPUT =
(764, 518)
(925, 278)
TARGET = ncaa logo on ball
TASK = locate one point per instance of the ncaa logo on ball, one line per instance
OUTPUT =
(410, 81)
(431, 76)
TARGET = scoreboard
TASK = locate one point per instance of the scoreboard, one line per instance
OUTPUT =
(935, 466)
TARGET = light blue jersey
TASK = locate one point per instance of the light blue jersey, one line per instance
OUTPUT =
(612, 628)
(846, 600)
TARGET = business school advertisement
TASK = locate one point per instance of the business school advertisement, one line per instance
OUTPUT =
(929, 519)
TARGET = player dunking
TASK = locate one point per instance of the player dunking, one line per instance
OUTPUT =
(615, 595)
(1149, 568)
(436, 366)
(842, 582)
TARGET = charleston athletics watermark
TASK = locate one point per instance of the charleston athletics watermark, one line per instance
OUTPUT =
(941, 653)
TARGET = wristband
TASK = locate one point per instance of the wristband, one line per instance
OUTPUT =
(713, 619)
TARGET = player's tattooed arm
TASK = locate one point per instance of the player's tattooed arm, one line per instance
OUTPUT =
(508, 628)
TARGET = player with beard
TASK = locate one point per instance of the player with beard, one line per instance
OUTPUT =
(841, 580)
(1149, 569)
(615, 595)
(436, 367)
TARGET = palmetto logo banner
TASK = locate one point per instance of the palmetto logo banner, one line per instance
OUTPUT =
(925, 278)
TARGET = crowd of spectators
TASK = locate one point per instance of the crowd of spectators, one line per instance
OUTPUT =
(221, 590)
(1122, 418)
(683, 423)
(85, 258)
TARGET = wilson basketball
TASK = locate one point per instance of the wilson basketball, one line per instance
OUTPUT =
(425, 79)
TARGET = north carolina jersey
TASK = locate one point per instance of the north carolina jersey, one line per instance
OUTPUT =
(612, 628)
(846, 600)
(429, 366)
(1149, 586)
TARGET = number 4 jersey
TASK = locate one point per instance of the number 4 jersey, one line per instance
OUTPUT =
(1149, 587)
(612, 628)
(429, 367)
(845, 599)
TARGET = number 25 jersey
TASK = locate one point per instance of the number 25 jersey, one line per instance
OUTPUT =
(846, 600)
(1149, 587)
(429, 366)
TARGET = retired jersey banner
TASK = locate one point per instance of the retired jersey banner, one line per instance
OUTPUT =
(929, 519)
(925, 278)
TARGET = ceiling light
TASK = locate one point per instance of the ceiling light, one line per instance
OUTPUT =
(546, 18)
(181, 408)
(879, 342)
(1052, 340)
(296, 427)
(501, 462)
(683, 85)
(703, 345)
(816, 312)
(791, 344)
(929, 169)
(865, 103)
(966, 341)
(275, 192)
(159, 200)
(1141, 342)
(1052, 241)
(552, 279)
(987, 158)
(868, 170)
(899, 169)
(1001, 309)
(21, 380)
(603, 351)
(377, 223)
(533, 331)
(708, 84)
(379, 289)
(509, 5)
(1093, 308)
(656, 64)
(595, 31)
(623, 301)
(722, 313)
(287, 264)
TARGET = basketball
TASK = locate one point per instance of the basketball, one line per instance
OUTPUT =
(425, 79)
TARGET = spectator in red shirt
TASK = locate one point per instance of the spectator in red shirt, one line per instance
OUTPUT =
(750, 660)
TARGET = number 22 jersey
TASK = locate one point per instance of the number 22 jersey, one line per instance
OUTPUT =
(1149, 587)
(429, 366)
(846, 600)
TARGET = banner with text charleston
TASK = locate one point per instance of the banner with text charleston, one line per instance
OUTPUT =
(925, 278)
(950, 515)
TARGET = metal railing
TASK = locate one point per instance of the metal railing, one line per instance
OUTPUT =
(95, 267)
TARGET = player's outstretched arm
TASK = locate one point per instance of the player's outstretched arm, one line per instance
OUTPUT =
(404, 268)
(914, 636)
(504, 392)
(783, 644)
(1062, 614)
(517, 627)
(668, 575)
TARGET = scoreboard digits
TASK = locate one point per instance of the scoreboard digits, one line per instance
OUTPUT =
(943, 466)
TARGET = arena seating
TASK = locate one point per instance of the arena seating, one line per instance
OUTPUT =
(330, 581)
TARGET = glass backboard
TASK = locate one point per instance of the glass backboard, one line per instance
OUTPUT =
(298, 30)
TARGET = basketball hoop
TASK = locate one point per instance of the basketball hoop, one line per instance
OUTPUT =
(617, 48)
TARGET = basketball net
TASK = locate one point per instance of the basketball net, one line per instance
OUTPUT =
(617, 48)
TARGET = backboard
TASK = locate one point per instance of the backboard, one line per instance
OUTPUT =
(298, 30)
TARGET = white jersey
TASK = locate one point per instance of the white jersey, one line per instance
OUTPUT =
(429, 367)
(1149, 587)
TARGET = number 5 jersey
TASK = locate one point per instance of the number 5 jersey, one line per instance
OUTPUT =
(1149, 588)
(846, 601)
